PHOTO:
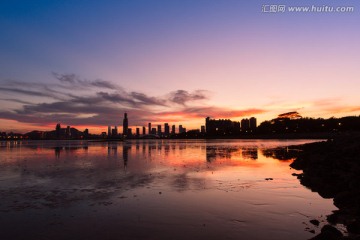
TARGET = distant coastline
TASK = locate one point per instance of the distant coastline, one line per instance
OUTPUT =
(319, 135)
(285, 126)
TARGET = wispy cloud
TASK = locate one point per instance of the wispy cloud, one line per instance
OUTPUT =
(75, 101)
(142, 98)
(183, 96)
(343, 109)
(327, 101)
(212, 111)
(116, 98)
(24, 92)
(14, 100)
(74, 80)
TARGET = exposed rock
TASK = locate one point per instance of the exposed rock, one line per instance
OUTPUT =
(332, 169)
(328, 232)
(354, 227)
(315, 222)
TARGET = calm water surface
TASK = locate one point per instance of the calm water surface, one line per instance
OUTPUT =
(154, 189)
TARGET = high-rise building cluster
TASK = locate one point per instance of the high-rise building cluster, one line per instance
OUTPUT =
(286, 123)
(225, 127)
(66, 133)
(212, 127)
(151, 131)
(166, 132)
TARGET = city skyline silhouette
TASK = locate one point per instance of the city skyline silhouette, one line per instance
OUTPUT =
(84, 64)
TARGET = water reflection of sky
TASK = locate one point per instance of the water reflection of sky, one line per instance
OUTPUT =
(156, 190)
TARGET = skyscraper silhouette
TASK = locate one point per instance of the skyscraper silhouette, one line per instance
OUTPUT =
(58, 130)
(166, 129)
(245, 124)
(252, 124)
(125, 125)
(109, 131)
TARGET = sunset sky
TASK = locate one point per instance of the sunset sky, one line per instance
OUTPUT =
(84, 63)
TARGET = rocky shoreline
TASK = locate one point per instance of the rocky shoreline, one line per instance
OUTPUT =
(332, 168)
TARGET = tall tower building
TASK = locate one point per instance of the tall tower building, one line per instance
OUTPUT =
(173, 129)
(68, 131)
(125, 125)
(252, 124)
(58, 130)
(150, 128)
(153, 131)
(245, 124)
(109, 131)
(207, 125)
(167, 129)
(159, 130)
